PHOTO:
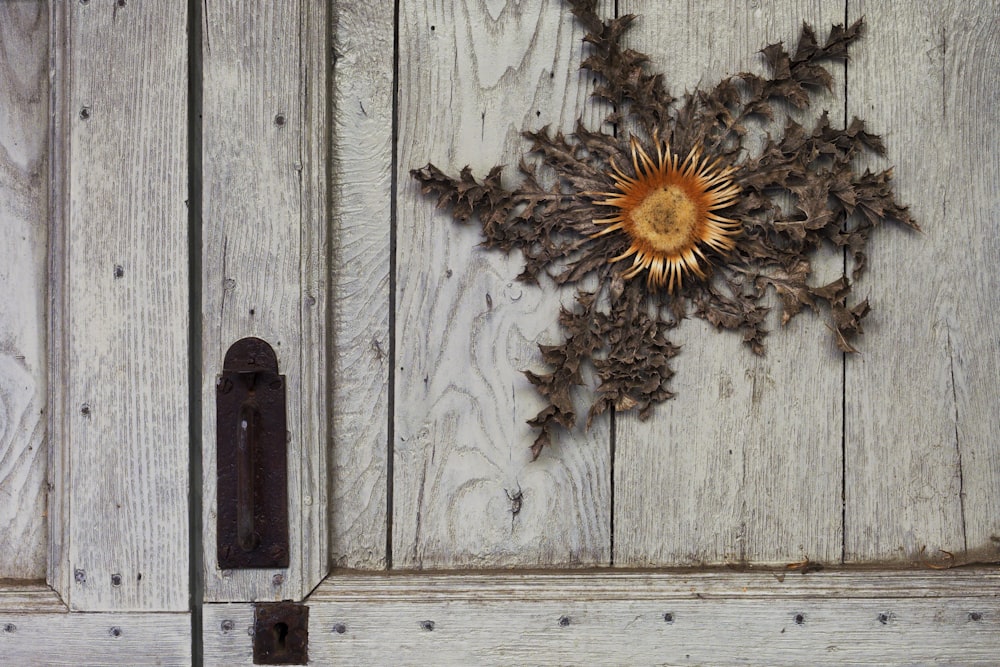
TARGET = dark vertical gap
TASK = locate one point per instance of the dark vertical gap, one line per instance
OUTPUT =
(614, 429)
(393, 214)
(843, 365)
(195, 560)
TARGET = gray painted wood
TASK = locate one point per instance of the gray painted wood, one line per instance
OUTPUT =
(590, 619)
(119, 282)
(29, 596)
(472, 76)
(923, 400)
(24, 164)
(33, 636)
(744, 465)
(361, 182)
(264, 254)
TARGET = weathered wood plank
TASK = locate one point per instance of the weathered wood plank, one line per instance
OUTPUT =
(265, 252)
(29, 597)
(923, 400)
(56, 639)
(472, 77)
(314, 22)
(24, 98)
(744, 465)
(120, 308)
(591, 619)
(361, 180)
(775, 583)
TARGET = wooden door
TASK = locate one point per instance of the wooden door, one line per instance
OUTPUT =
(94, 435)
(433, 507)
(168, 193)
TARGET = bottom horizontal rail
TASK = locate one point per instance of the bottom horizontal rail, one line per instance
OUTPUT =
(837, 618)
(94, 638)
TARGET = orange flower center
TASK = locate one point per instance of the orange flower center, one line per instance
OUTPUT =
(669, 210)
(666, 218)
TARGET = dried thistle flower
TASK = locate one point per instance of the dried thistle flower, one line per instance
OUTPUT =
(668, 212)
(707, 230)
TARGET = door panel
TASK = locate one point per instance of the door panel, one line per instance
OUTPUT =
(465, 493)
(744, 465)
(265, 254)
(923, 406)
(93, 182)
(361, 191)
(119, 291)
(24, 165)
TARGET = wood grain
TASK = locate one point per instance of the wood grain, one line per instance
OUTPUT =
(120, 307)
(361, 182)
(33, 637)
(472, 76)
(923, 400)
(24, 96)
(29, 596)
(607, 619)
(744, 465)
(264, 253)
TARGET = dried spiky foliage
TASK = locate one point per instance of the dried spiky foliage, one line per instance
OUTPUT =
(706, 231)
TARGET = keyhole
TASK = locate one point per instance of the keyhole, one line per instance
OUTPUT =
(281, 634)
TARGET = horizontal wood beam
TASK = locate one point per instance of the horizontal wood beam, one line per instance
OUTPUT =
(604, 585)
(65, 638)
(774, 618)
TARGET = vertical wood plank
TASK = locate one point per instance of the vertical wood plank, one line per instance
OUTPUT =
(744, 465)
(120, 309)
(361, 179)
(24, 93)
(264, 253)
(472, 77)
(923, 400)
(314, 221)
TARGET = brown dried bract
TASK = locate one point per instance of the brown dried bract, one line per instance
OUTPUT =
(564, 233)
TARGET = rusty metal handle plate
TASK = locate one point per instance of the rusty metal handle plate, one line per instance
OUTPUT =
(252, 458)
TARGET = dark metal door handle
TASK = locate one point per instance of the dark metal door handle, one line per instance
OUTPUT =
(252, 458)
